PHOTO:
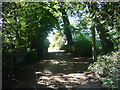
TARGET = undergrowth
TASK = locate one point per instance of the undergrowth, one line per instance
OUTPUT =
(105, 69)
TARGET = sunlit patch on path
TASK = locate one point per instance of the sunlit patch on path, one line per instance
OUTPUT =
(55, 50)
(62, 80)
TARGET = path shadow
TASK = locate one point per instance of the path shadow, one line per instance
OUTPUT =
(58, 70)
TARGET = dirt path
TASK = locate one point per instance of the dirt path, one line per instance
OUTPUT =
(59, 70)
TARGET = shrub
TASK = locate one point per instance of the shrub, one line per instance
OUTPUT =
(105, 69)
(82, 48)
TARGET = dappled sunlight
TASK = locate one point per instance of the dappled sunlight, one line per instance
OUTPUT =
(59, 63)
(37, 73)
(76, 58)
(54, 62)
(65, 66)
(63, 80)
(62, 71)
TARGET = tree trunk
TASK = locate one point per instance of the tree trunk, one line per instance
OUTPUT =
(39, 46)
(107, 44)
(93, 44)
(66, 24)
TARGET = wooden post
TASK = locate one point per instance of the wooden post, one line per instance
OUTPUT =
(93, 44)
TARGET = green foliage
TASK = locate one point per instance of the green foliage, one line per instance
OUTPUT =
(105, 17)
(25, 28)
(58, 40)
(82, 47)
(105, 69)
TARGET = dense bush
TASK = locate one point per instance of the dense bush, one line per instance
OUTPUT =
(105, 69)
(82, 47)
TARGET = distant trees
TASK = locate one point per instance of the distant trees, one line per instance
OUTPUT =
(58, 40)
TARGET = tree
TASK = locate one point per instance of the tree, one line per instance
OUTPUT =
(93, 43)
(66, 23)
(26, 26)
(107, 44)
